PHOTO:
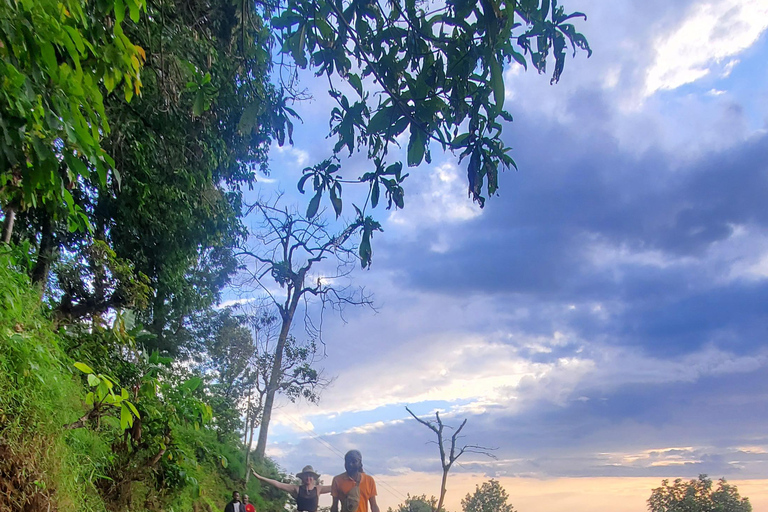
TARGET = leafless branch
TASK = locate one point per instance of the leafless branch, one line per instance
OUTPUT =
(447, 459)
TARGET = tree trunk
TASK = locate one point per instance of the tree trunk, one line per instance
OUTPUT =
(44, 255)
(276, 375)
(10, 217)
(248, 435)
(442, 490)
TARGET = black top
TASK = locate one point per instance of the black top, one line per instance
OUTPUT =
(306, 501)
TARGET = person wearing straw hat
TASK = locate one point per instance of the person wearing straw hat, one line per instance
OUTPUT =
(306, 494)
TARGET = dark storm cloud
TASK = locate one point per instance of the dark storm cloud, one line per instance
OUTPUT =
(733, 316)
(573, 188)
(577, 193)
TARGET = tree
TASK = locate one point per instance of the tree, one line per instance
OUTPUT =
(697, 496)
(298, 377)
(435, 71)
(55, 58)
(181, 150)
(490, 497)
(447, 458)
(417, 504)
(286, 248)
(185, 149)
(229, 347)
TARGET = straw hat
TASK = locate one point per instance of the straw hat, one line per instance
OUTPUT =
(308, 470)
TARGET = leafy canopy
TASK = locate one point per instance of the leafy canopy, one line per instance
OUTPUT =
(56, 59)
(417, 504)
(429, 74)
(697, 496)
(490, 497)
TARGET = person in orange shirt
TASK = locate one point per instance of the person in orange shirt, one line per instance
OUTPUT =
(353, 489)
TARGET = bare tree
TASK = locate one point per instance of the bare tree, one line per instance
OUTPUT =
(298, 375)
(287, 247)
(451, 455)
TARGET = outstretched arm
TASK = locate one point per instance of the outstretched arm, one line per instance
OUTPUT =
(374, 505)
(293, 489)
(323, 489)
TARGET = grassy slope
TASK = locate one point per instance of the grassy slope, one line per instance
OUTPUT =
(42, 464)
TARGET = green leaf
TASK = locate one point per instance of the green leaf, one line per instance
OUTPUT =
(374, 193)
(133, 409)
(336, 201)
(126, 418)
(74, 34)
(365, 250)
(83, 367)
(119, 11)
(314, 204)
(416, 146)
(192, 383)
(381, 120)
(134, 8)
(459, 141)
(198, 106)
(356, 83)
(76, 165)
(520, 58)
(497, 82)
(48, 55)
(248, 119)
(224, 461)
(93, 380)
(287, 19)
(109, 82)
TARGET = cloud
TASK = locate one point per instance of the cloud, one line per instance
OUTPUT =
(710, 34)
(236, 302)
(604, 316)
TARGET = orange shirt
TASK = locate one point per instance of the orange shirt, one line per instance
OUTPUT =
(342, 484)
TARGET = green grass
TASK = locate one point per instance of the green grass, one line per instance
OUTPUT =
(42, 463)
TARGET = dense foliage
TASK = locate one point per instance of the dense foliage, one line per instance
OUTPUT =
(90, 421)
(57, 60)
(417, 504)
(697, 496)
(489, 497)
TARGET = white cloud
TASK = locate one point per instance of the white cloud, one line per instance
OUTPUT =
(372, 427)
(743, 255)
(298, 156)
(443, 200)
(297, 424)
(481, 371)
(712, 32)
(236, 302)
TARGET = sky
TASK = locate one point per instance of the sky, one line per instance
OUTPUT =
(601, 323)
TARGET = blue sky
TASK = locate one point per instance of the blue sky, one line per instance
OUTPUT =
(603, 318)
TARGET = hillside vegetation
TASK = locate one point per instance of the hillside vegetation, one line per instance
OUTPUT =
(62, 442)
